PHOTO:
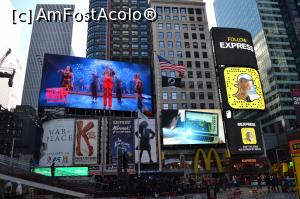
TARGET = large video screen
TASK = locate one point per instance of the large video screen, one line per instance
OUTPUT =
(75, 82)
(181, 127)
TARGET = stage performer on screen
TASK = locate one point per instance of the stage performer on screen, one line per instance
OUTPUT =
(94, 87)
(108, 86)
(67, 78)
(119, 91)
(139, 91)
(82, 132)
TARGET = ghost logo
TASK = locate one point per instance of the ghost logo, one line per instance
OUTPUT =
(171, 82)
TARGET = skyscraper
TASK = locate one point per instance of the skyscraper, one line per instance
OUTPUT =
(47, 37)
(274, 54)
(181, 36)
(128, 41)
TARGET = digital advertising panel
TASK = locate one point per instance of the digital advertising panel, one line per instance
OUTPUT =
(241, 88)
(145, 140)
(57, 143)
(86, 143)
(75, 82)
(233, 47)
(244, 137)
(122, 136)
(184, 127)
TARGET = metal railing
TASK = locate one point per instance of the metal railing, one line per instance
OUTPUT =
(14, 162)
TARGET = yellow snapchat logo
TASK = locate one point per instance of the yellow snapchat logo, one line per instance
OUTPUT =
(243, 87)
(248, 136)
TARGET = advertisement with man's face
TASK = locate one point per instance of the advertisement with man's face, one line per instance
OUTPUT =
(145, 140)
(75, 82)
(244, 137)
(122, 138)
(233, 47)
(57, 144)
(86, 143)
(243, 88)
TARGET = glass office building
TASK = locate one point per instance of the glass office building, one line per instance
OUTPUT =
(276, 62)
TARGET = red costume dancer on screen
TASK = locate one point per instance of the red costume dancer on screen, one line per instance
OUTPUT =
(139, 90)
(82, 132)
(108, 85)
(68, 78)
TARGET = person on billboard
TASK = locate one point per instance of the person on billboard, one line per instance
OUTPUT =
(145, 134)
(246, 89)
(139, 91)
(94, 87)
(108, 86)
(82, 132)
(119, 91)
(67, 78)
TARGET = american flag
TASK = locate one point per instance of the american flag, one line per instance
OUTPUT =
(166, 65)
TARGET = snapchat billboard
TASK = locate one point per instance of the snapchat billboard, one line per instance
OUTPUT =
(243, 88)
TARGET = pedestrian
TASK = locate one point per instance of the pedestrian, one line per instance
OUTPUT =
(19, 191)
(8, 190)
(268, 183)
(53, 169)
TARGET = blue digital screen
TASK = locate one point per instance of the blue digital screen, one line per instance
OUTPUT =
(75, 82)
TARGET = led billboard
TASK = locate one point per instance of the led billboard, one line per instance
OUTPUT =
(241, 88)
(244, 137)
(63, 171)
(75, 82)
(233, 47)
(181, 127)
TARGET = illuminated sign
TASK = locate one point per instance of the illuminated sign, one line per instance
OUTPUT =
(233, 47)
(63, 171)
(207, 160)
(294, 147)
(243, 88)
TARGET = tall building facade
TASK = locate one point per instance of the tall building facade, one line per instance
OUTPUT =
(128, 41)
(47, 37)
(276, 63)
(181, 36)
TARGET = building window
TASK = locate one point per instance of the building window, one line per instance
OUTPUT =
(163, 73)
(175, 10)
(158, 10)
(169, 35)
(175, 106)
(183, 96)
(191, 10)
(175, 18)
(202, 36)
(201, 95)
(174, 95)
(165, 106)
(206, 64)
(189, 64)
(171, 53)
(202, 105)
(192, 95)
(180, 62)
(190, 74)
(161, 44)
(183, 18)
(184, 26)
(211, 105)
(199, 74)
(186, 44)
(198, 64)
(198, 11)
(199, 18)
(170, 44)
(162, 53)
(182, 10)
(161, 35)
(194, 36)
(208, 85)
(167, 10)
(191, 85)
(165, 95)
(176, 27)
(179, 55)
(168, 17)
(172, 74)
(168, 26)
(159, 17)
(160, 26)
(201, 27)
(203, 45)
(200, 85)
(188, 54)
(193, 105)
(204, 54)
(178, 44)
(177, 35)
(184, 105)
(207, 74)
(196, 54)
(210, 96)
(192, 18)
(186, 35)
(193, 27)
(195, 45)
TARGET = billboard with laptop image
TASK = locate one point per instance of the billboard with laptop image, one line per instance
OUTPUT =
(185, 127)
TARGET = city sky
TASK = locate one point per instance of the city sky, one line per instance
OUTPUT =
(18, 36)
